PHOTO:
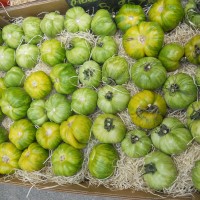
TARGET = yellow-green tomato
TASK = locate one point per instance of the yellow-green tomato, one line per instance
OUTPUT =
(196, 175)
(66, 160)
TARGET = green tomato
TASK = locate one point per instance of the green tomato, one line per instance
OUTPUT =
(9, 156)
(76, 131)
(7, 56)
(102, 161)
(128, 16)
(52, 24)
(78, 51)
(171, 137)
(90, 74)
(22, 133)
(37, 113)
(167, 13)
(64, 78)
(193, 112)
(160, 171)
(33, 158)
(170, 56)
(15, 102)
(14, 77)
(76, 19)
(116, 70)
(179, 91)
(52, 52)
(38, 85)
(32, 31)
(136, 144)
(3, 135)
(27, 56)
(13, 35)
(48, 135)
(84, 101)
(196, 174)
(103, 24)
(195, 130)
(58, 108)
(145, 39)
(105, 48)
(148, 73)
(1, 39)
(108, 128)
(113, 99)
(66, 160)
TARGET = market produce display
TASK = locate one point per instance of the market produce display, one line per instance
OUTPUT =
(108, 98)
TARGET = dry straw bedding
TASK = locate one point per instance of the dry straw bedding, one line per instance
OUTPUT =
(128, 173)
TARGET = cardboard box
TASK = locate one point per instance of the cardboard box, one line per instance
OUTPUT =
(33, 9)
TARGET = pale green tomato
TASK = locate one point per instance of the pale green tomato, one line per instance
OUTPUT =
(7, 57)
(48, 135)
(37, 113)
(33, 158)
(84, 101)
(76, 19)
(66, 160)
(76, 131)
(58, 108)
(13, 35)
(32, 31)
(22, 133)
(2, 86)
(3, 135)
(14, 77)
(52, 24)
(27, 56)
(9, 156)
(52, 52)
(38, 85)
(1, 39)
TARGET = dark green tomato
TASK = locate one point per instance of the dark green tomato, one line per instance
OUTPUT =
(136, 144)
(3, 135)
(171, 137)
(179, 91)
(196, 175)
(148, 73)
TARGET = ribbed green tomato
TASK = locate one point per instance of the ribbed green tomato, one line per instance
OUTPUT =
(102, 161)
(27, 56)
(179, 91)
(90, 74)
(148, 73)
(160, 171)
(15, 102)
(128, 16)
(9, 156)
(14, 77)
(145, 39)
(22, 133)
(38, 85)
(192, 50)
(147, 109)
(52, 52)
(136, 144)
(32, 31)
(48, 135)
(170, 56)
(33, 158)
(103, 23)
(108, 128)
(78, 51)
(52, 24)
(84, 101)
(105, 48)
(1, 39)
(13, 35)
(64, 78)
(58, 108)
(115, 69)
(196, 175)
(171, 137)
(76, 19)
(3, 135)
(113, 99)
(66, 160)
(2, 86)
(76, 131)
(7, 56)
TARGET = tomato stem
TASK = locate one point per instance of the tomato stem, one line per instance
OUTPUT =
(195, 115)
(108, 124)
(134, 139)
(147, 67)
(109, 95)
(100, 44)
(70, 46)
(150, 168)
(163, 130)
(174, 88)
(87, 74)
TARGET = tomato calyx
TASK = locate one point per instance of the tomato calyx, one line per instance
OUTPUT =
(150, 168)
(195, 115)
(147, 67)
(150, 108)
(62, 158)
(163, 130)
(70, 46)
(109, 95)
(88, 73)
(5, 159)
(100, 44)
(108, 124)
(134, 139)
(174, 88)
